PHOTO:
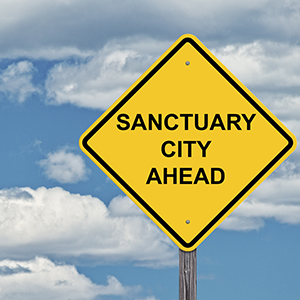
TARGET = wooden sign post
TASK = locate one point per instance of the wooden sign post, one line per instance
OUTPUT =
(187, 275)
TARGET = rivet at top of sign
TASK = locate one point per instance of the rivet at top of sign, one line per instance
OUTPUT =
(187, 221)
(187, 63)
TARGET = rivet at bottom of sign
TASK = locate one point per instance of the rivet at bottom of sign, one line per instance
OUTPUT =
(187, 221)
(187, 63)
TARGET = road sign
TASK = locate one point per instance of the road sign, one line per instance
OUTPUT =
(187, 142)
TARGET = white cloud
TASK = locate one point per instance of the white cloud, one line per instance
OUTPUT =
(275, 198)
(237, 223)
(122, 206)
(286, 106)
(41, 279)
(100, 80)
(64, 166)
(16, 81)
(284, 190)
(54, 222)
(294, 126)
(64, 225)
(269, 69)
(85, 24)
(263, 64)
(49, 53)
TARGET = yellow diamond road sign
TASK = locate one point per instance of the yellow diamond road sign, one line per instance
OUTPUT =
(187, 142)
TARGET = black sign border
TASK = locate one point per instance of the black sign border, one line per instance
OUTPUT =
(234, 84)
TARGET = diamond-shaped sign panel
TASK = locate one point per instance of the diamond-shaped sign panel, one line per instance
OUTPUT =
(187, 142)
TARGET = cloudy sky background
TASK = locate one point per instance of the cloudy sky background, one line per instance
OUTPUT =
(66, 231)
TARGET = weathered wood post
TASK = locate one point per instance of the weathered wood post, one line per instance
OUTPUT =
(188, 275)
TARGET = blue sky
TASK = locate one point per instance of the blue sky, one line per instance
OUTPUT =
(67, 231)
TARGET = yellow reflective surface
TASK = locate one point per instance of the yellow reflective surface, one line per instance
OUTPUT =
(187, 141)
